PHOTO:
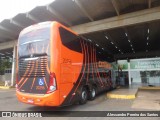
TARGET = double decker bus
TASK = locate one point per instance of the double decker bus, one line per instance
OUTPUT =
(57, 67)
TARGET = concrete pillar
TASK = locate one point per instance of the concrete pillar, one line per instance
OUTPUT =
(129, 73)
(13, 66)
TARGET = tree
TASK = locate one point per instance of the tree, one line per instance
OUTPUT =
(4, 63)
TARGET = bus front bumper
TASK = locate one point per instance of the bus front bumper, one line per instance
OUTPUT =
(51, 99)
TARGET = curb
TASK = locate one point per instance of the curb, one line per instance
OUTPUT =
(6, 87)
(149, 88)
(122, 96)
(115, 96)
(133, 96)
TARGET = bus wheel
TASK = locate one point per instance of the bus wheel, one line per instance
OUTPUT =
(83, 96)
(92, 93)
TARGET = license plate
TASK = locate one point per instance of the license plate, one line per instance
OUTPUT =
(30, 101)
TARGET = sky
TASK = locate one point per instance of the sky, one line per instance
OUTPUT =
(10, 8)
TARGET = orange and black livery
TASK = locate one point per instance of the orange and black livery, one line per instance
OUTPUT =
(57, 67)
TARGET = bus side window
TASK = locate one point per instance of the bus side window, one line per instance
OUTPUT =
(70, 40)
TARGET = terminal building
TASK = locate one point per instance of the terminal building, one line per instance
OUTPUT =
(127, 30)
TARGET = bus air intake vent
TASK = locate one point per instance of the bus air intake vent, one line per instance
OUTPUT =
(33, 68)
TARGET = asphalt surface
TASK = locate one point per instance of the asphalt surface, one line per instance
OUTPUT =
(9, 102)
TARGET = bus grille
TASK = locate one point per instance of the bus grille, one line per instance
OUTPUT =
(33, 68)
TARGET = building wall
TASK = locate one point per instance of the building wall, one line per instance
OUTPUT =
(135, 76)
(145, 71)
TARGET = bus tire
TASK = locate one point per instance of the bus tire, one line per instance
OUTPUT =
(83, 96)
(92, 93)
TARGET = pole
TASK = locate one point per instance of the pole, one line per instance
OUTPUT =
(13, 65)
(129, 74)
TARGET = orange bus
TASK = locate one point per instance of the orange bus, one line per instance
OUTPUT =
(57, 67)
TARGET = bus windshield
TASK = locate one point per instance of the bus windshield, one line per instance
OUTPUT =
(34, 42)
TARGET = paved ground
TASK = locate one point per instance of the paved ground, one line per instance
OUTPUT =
(147, 99)
(8, 102)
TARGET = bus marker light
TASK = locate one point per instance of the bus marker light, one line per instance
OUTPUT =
(23, 98)
(30, 101)
(38, 100)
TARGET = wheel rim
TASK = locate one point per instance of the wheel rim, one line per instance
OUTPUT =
(93, 93)
(84, 95)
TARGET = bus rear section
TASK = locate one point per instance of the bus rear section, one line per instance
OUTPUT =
(47, 69)
(36, 83)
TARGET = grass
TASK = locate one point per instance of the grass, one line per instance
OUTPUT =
(1, 83)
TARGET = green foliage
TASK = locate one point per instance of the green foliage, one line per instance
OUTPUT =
(4, 63)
